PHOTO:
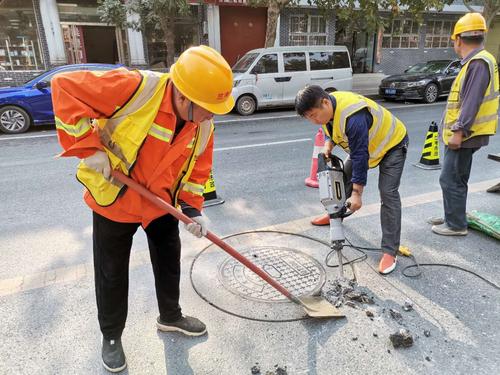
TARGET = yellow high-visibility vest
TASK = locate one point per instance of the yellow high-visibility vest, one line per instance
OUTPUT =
(486, 121)
(386, 131)
(123, 134)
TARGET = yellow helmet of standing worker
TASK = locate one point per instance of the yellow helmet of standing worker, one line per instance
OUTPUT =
(203, 76)
(470, 24)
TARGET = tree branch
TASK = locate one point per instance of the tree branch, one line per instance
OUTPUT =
(466, 3)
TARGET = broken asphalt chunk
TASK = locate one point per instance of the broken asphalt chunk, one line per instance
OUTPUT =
(408, 306)
(396, 315)
(402, 338)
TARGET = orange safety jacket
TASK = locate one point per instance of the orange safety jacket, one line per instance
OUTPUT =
(82, 96)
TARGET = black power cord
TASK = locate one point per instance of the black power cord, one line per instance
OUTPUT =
(419, 265)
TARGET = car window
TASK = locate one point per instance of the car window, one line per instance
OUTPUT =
(455, 67)
(294, 62)
(267, 64)
(429, 67)
(321, 60)
(244, 63)
(49, 77)
(341, 60)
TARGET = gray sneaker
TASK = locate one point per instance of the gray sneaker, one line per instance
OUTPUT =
(188, 325)
(113, 357)
(435, 220)
(445, 230)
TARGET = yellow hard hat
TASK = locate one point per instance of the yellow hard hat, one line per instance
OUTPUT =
(203, 76)
(471, 22)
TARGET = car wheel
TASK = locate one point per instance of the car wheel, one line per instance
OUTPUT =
(246, 105)
(14, 120)
(431, 93)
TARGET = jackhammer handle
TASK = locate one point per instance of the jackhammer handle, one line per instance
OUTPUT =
(348, 212)
(211, 236)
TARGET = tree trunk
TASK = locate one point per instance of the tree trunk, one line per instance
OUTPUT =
(167, 26)
(273, 12)
(490, 11)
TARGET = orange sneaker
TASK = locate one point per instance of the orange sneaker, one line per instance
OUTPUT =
(387, 264)
(322, 220)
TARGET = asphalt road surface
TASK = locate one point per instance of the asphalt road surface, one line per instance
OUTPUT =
(47, 310)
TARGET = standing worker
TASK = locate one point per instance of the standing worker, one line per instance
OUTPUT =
(471, 118)
(373, 137)
(158, 129)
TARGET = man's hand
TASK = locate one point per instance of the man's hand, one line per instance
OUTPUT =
(455, 141)
(100, 163)
(354, 201)
(328, 147)
(199, 228)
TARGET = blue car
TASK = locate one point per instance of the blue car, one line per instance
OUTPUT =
(31, 103)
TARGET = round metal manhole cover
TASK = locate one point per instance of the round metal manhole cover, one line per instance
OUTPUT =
(298, 272)
(295, 262)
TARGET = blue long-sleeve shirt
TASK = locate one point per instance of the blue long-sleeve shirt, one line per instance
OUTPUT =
(357, 127)
(475, 83)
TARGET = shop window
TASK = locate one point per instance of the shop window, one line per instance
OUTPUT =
(78, 11)
(438, 34)
(402, 33)
(266, 64)
(19, 43)
(307, 30)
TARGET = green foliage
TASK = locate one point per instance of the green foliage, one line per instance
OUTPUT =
(152, 13)
(281, 3)
(366, 14)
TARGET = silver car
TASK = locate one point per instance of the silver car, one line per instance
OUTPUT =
(271, 77)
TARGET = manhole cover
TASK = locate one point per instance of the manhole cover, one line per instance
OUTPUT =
(296, 271)
(226, 285)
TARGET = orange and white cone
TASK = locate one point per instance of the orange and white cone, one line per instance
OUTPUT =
(319, 142)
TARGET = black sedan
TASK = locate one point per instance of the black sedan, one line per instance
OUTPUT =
(425, 81)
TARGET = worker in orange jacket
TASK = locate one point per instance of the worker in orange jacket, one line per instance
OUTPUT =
(158, 129)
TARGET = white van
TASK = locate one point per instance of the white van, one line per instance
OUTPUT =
(269, 77)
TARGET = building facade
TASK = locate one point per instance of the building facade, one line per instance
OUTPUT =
(36, 35)
(401, 44)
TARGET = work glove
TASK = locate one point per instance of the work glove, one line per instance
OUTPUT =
(100, 163)
(200, 226)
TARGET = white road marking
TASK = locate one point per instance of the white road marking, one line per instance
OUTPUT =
(263, 144)
(242, 119)
(250, 119)
(8, 138)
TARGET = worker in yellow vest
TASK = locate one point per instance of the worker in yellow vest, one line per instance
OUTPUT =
(158, 129)
(373, 137)
(471, 117)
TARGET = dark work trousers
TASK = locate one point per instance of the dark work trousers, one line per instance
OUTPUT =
(454, 184)
(112, 245)
(390, 171)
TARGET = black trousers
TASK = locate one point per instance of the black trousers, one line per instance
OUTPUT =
(112, 245)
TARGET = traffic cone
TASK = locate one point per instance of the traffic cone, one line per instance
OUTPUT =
(210, 193)
(430, 153)
(319, 142)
